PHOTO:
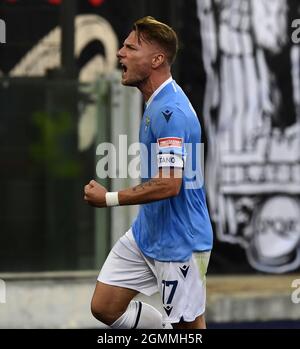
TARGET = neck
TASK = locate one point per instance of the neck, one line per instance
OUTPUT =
(152, 83)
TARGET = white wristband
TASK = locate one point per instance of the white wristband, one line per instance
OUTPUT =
(112, 198)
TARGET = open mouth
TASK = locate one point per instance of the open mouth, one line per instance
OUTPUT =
(124, 68)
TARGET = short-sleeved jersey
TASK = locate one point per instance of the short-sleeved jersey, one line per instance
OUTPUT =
(170, 136)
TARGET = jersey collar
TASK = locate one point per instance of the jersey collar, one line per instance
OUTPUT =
(156, 92)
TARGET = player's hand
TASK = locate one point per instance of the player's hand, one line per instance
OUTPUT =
(94, 194)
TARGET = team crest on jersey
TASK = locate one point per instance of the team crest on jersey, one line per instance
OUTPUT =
(147, 123)
(167, 114)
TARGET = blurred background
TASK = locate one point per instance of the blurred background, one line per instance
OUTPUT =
(60, 97)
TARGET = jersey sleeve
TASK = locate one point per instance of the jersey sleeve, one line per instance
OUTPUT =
(170, 131)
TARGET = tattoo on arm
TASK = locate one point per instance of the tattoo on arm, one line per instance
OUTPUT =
(150, 183)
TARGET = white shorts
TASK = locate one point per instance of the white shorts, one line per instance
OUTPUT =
(182, 285)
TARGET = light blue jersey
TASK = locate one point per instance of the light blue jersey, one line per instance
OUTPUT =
(174, 228)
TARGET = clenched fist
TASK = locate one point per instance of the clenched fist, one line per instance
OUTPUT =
(94, 194)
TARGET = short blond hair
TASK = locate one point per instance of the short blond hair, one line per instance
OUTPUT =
(149, 29)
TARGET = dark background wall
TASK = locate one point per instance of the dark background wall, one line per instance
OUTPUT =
(29, 21)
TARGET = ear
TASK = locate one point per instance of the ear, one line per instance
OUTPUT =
(158, 60)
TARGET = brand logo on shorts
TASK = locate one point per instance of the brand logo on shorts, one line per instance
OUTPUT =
(168, 309)
(184, 270)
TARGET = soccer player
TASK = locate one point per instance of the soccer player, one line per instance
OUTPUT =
(168, 246)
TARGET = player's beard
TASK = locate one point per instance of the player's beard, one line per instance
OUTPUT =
(134, 81)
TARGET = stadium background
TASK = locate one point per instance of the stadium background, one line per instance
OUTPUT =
(241, 70)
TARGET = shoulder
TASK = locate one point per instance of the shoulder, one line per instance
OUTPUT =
(170, 120)
(176, 102)
(169, 115)
(169, 110)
